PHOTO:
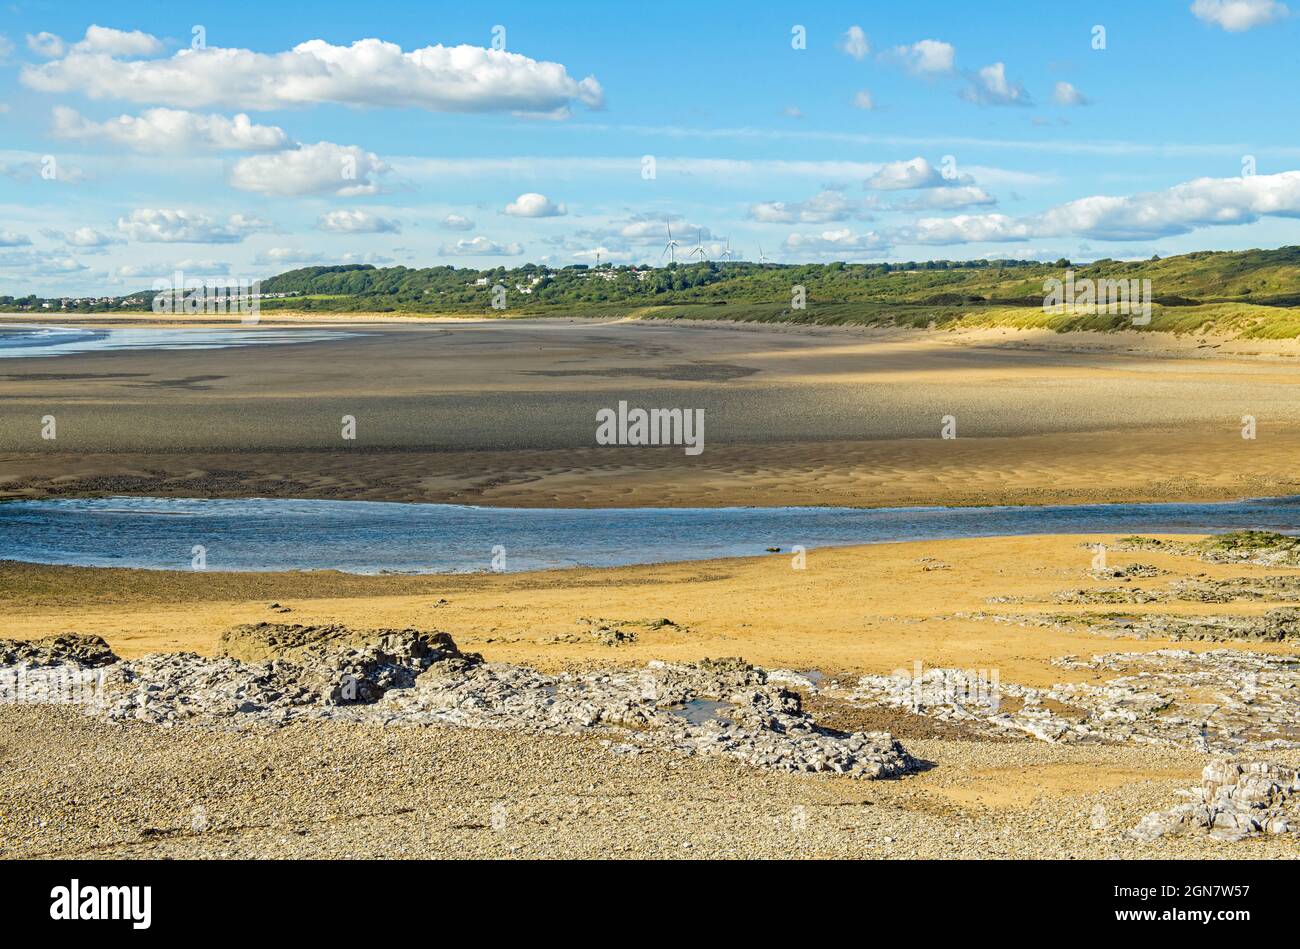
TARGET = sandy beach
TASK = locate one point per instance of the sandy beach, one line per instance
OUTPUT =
(503, 413)
(851, 610)
(339, 790)
(649, 433)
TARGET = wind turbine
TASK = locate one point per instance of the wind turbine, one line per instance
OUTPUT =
(726, 254)
(671, 247)
(699, 247)
(762, 258)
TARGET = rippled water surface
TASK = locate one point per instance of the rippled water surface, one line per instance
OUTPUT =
(19, 341)
(376, 537)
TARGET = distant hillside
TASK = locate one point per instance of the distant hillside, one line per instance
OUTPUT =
(1269, 277)
(1253, 293)
(1247, 293)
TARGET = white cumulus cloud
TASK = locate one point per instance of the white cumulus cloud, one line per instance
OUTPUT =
(926, 57)
(1203, 202)
(168, 226)
(357, 222)
(370, 72)
(169, 130)
(990, 86)
(946, 199)
(821, 208)
(1064, 93)
(99, 40)
(655, 229)
(103, 39)
(456, 222)
(968, 228)
(905, 175)
(836, 243)
(86, 238)
(479, 247)
(1237, 16)
(602, 254)
(533, 204)
(854, 43)
(323, 168)
(46, 44)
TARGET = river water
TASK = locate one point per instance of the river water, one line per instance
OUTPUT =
(376, 537)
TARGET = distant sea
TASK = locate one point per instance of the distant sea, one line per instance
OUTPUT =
(22, 341)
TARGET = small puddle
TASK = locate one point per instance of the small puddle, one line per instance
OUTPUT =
(700, 711)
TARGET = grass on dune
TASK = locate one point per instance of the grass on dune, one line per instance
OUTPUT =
(1239, 320)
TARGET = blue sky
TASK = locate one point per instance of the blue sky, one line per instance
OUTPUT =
(900, 132)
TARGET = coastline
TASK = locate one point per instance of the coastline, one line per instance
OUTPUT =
(1044, 420)
(864, 609)
(853, 611)
(1199, 344)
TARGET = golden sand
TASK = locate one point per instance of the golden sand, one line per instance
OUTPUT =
(872, 608)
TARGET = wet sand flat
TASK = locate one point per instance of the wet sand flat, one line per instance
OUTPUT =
(504, 413)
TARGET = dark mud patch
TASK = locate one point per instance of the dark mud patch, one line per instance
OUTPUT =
(842, 716)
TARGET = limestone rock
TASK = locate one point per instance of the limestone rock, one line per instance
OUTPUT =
(64, 649)
(273, 675)
(1236, 800)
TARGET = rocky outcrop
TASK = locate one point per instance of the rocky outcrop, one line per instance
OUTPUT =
(1275, 625)
(64, 649)
(1235, 800)
(1126, 572)
(1221, 701)
(263, 642)
(1102, 596)
(1283, 588)
(303, 667)
(409, 677)
(714, 707)
(1264, 548)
